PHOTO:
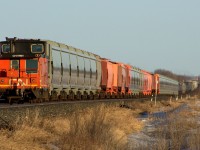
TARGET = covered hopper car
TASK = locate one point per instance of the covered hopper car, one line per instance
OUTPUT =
(164, 85)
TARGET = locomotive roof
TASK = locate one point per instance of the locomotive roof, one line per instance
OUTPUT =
(22, 40)
(42, 40)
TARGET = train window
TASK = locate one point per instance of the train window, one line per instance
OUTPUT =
(37, 48)
(6, 48)
(31, 66)
(15, 64)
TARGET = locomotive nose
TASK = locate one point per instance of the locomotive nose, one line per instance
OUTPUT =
(14, 83)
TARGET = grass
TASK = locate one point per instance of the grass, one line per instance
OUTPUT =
(101, 127)
(181, 131)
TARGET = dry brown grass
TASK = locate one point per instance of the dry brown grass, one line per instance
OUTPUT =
(93, 128)
(181, 131)
(149, 106)
(101, 127)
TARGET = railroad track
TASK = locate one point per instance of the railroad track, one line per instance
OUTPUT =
(49, 103)
(9, 113)
(28, 105)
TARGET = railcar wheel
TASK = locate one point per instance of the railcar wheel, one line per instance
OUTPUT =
(118, 96)
(108, 95)
(113, 96)
(78, 95)
(91, 96)
(85, 96)
(71, 95)
(102, 95)
(63, 95)
(97, 96)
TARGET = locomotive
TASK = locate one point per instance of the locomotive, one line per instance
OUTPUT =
(46, 70)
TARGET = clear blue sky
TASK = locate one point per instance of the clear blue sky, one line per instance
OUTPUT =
(149, 34)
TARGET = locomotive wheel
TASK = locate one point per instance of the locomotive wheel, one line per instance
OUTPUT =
(10, 101)
(31, 101)
(40, 100)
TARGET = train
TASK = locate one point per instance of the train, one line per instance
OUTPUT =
(44, 70)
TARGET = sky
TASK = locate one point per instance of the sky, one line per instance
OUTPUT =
(149, 34)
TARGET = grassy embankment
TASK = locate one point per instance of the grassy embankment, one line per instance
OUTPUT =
(102, 127)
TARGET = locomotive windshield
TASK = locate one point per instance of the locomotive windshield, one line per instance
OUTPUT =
(37, 48)
(6, 48)
(22, 48)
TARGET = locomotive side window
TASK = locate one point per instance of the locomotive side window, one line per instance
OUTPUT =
(15, 64)
(37, 48)
(31, 66)
(6, 48)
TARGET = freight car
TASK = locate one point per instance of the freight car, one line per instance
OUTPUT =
(113, 81)
(136, 81)
(182, 88)
(147, 83)
(46, 70)
(164, 86)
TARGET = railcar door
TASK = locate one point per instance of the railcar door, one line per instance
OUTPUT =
(14, 73)
(93, 75)
(14, 66)
(81, 72)
(73, 70)
(87, 72)
(124, 75)
(65, 69)
(56, 68)
(43, 65)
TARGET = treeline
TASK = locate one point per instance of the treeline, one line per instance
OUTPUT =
(175, 76)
